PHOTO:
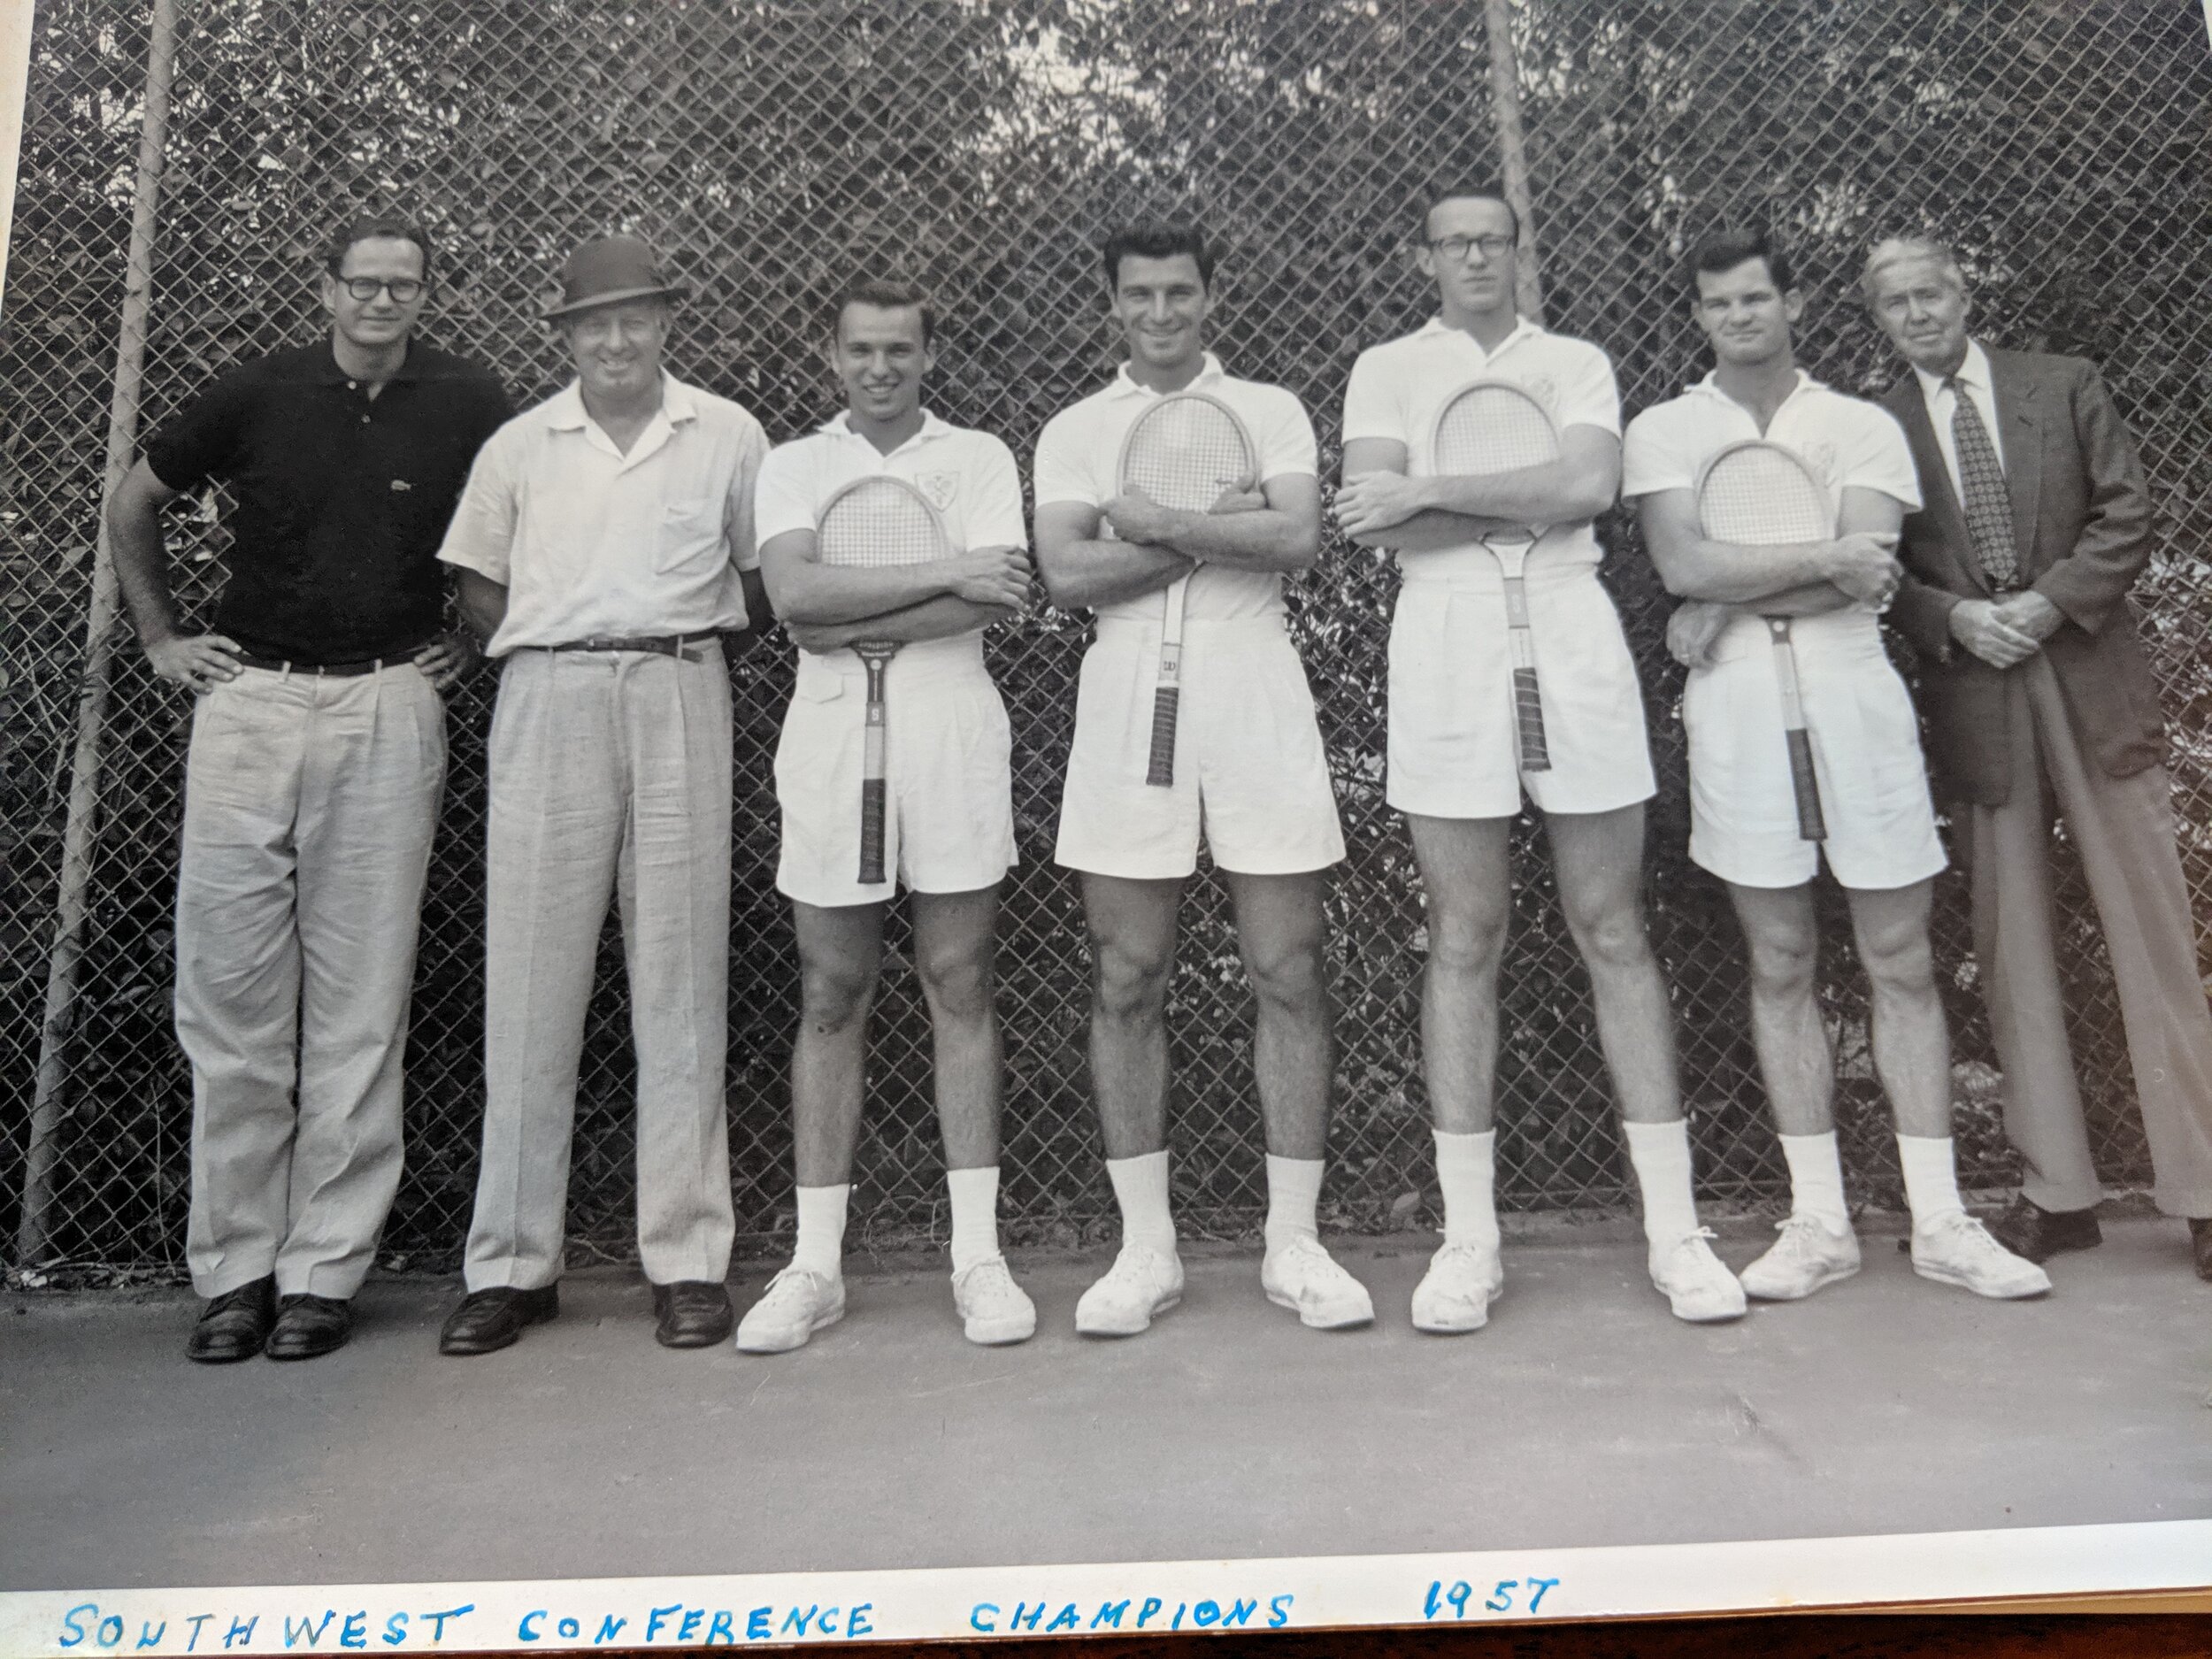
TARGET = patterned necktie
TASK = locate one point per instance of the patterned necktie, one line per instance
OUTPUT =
(1982, 486)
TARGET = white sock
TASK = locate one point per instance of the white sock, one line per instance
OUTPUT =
(1140, 1190)
(1293, 1196)
(821, 1246)
(1931, 1181)
(1659, 1154)
(974, 1215)
(1816, 1179)
(1466, 1169)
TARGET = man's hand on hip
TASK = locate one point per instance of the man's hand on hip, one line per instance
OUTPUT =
(448, 659)
(198, 661)
(1981, 626)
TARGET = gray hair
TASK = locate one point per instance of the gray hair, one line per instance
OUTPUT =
(1896, 251)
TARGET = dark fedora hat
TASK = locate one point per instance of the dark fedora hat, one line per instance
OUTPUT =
(608, 270)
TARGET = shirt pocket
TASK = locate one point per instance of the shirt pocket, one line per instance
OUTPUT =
(690, 536)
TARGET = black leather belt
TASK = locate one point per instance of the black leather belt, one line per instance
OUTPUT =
(331, 671)
(691, 647)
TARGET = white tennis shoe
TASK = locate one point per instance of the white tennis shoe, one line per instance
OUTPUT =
(1696, 1283)
(798, 1303)
(1455, 1294)
(1806, 1256)
(1956, 1249)
(1300, 1275)
(1142, 1282)
(994, 1309)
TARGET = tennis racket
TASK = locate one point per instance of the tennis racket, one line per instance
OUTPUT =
(875, 522)
(1492, 426)
(1757, 494)
(1183, 452)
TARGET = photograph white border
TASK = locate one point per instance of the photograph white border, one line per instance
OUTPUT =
(1149, 1598)
(777, 1610)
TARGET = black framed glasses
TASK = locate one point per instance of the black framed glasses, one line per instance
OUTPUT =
(405, 291)
(1456, 248)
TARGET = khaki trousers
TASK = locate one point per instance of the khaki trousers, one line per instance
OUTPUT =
(309, 807)
(610, 776)
(2125, 830)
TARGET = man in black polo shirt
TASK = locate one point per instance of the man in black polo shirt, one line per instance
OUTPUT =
(313, 782)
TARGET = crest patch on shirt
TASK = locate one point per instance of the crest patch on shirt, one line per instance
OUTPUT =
(1821, 456)
(938, 488)
(1545, 391)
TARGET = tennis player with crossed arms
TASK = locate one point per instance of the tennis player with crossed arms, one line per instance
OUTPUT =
(1458, 772)
(1248, 774)
(1746, 823)
(949, 817)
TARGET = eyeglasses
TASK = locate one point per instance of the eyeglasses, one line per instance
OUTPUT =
(1456, 248)
(406, 291)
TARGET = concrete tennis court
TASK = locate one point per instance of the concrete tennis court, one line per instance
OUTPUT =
(1583, 1415)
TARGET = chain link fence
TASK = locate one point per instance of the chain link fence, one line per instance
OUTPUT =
(771, 151)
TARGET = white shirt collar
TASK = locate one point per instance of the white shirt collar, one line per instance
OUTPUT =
(564, 411)
(1126, 385)
(1524, 328)
(840, 426)
(1710, 387)
(1974, 372)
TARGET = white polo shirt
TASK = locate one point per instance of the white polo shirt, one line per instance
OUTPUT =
(591, 543)
(1080, 447)
(1398, 387)
(968, 476)
(1850, 443)
(1943, 408)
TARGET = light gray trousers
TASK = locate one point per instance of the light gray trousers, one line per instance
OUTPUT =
(2123, 829)
(610, 775)
(309, 807)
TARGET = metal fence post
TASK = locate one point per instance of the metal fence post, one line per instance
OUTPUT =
(1505, 104)
(81, 831)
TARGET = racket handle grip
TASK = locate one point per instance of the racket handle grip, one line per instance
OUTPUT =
(1811, 826)
(1166, 701)
(1528, 719)
(872, 819)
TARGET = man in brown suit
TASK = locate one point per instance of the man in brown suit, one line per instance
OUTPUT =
(2037, 700)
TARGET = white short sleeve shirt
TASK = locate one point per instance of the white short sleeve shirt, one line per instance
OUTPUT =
(968, 476)
(591, 543)
(1398, 387)
(1849, 442)
(1080, 447)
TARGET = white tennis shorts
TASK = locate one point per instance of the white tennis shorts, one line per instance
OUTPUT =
(1451, 745)
(950, 814)
(1250, 776)
(1866, 759)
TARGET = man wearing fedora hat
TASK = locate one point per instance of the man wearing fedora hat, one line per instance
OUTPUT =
(313, 782)
(605, 548)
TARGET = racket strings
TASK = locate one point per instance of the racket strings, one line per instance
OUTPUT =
(878, 525)
(1184, 456)
(1492, 430)
(1757, 498)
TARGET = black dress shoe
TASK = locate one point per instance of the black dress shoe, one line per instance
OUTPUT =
(693, 1313)
(234, 1325)
(2201, 1244)
(308, 1326)
(488, 1320)
(2029, 1230)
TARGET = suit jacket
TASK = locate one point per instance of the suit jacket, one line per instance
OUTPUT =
(2081, 519)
